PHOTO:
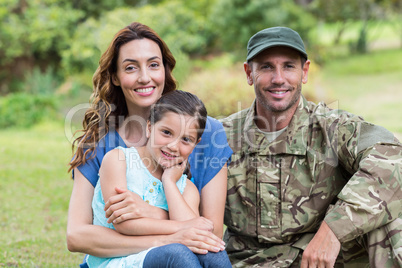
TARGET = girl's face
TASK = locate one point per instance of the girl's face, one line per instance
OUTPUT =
(140, 73)
(172, 139)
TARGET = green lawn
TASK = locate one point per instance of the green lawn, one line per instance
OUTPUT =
(35, 190)
(368, 85)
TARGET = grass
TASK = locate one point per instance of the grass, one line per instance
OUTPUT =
(369, 85)
(378, 31)
(375, 63)
(380, 35)
(35, 191)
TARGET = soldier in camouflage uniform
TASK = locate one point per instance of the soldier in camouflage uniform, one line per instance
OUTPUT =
(302, 173)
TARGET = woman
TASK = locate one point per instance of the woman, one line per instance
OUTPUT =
(128, 81)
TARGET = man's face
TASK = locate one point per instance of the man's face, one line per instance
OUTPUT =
(277, 74)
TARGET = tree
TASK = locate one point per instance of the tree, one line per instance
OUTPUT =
(237, 20)
(337, 12)
(342, 13)
(36, 33)
(185, 31)
(32, 33)
(394, 14)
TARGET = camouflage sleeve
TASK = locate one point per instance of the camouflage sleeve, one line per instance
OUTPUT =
(372, 197)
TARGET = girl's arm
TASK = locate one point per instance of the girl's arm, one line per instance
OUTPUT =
(113, 174)
(126, 205)
(213, 198)
(83, 236)
(182, 207)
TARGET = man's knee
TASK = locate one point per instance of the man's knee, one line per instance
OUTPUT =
(381, 247)
(385, 245)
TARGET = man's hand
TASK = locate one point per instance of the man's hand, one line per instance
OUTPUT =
(322, 250)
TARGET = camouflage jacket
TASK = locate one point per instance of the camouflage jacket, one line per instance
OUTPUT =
(327, 165)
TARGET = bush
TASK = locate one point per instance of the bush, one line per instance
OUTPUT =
(41, 83)
(223, 89)
(25, 110)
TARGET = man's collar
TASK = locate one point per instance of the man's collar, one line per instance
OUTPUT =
(292, 141)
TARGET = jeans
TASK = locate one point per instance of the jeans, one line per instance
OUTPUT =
(180, 256)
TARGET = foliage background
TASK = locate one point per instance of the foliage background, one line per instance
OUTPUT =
(49, 50)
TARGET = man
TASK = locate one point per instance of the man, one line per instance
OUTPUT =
(307, 186)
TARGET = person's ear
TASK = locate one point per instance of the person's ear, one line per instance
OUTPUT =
(148, 130)
(115, 80)
(249, 73)
(199, 139)
(306, 67)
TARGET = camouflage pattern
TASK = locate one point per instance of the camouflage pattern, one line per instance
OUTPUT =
(327, 165)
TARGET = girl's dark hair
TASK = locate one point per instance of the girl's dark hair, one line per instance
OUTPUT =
(108, 103)
(180, 102)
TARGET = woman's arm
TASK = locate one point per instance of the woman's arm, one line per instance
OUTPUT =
(213, 197)
(84, 237)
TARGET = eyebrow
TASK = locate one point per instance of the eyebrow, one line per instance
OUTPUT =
(132, 60)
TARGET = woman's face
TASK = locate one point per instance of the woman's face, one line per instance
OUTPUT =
(140, 73)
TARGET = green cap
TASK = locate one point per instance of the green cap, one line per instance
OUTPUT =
(273, 37)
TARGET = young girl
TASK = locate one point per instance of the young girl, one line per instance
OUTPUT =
(155, 173)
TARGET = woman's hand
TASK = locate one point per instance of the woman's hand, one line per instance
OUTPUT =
(199, 223)
(126, 205)
(197, 240)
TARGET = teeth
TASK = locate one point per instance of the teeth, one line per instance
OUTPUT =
(167, 154)
(279, 92)
(144, 90)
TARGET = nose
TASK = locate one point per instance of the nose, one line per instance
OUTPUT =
(173, 146)
(278, 77)
(144, 77)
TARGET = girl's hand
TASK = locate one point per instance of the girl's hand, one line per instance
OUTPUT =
(173, 173)
(126, 205)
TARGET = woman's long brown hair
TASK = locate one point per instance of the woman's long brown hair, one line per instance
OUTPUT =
(108, 104)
